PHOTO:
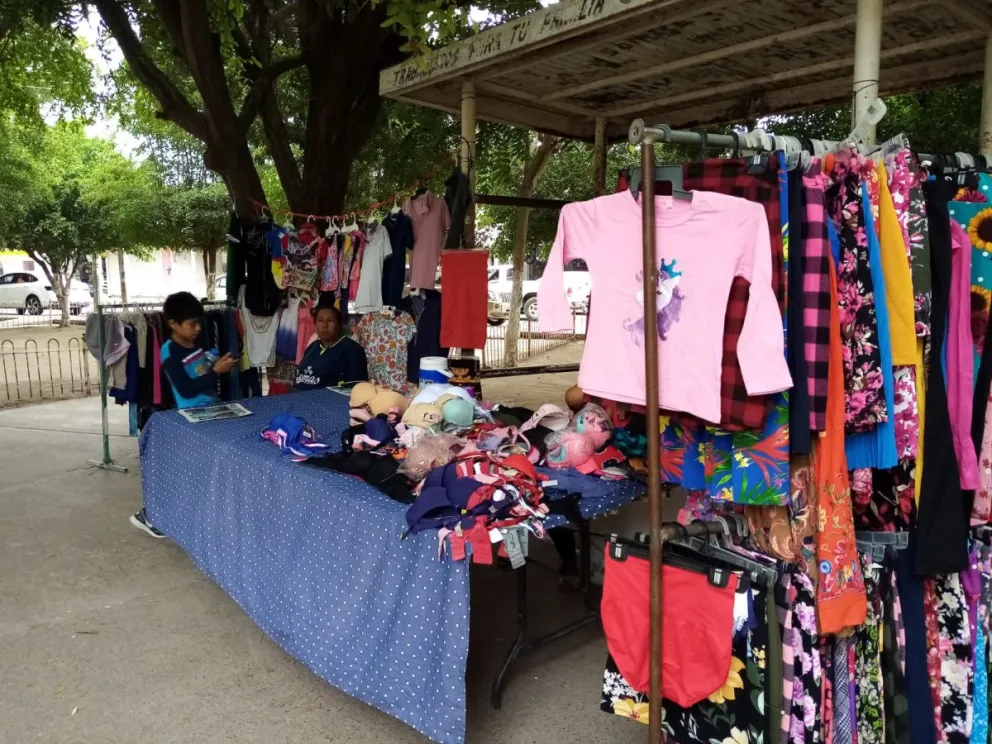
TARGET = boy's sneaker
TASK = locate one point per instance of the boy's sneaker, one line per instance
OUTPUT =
(140, 520)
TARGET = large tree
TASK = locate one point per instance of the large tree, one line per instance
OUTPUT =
(300, 76)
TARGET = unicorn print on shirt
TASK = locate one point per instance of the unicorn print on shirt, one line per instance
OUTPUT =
(670, 298)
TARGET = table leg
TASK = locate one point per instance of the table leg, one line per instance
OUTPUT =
(519, 642)
(521, 646)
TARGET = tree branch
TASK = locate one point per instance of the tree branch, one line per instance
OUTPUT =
(277, 138)
(175, 106)
(262, 84)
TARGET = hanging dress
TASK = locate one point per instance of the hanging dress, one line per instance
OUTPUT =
(876, 448)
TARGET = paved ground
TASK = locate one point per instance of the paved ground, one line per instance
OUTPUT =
(108, 636)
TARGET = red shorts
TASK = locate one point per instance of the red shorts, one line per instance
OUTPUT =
(697, 630)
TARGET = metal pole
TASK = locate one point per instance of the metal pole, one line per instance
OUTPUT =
(599, 185)
(106, 463)
(650, 265)
(468, 155)
(985, 134)
(867, 55)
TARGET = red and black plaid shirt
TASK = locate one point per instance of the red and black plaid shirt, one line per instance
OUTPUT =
(738, 410)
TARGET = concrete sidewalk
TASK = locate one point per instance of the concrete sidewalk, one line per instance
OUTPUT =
(109, 636)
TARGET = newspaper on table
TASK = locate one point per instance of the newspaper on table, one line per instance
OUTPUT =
(214, 413)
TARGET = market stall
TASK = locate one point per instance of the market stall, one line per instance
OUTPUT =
(319, 560)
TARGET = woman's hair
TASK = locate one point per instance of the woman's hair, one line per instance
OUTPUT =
(328, 305)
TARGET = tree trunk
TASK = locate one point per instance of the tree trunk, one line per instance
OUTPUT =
(210, 271)
(120, 268)
(61, 287)
(531, 177)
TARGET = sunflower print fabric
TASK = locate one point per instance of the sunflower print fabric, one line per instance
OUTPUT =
(976, 219)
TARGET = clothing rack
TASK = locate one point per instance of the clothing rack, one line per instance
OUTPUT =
(760, 141)
(106, 462)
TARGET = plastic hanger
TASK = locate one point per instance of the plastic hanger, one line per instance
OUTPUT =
(664, 174)
(332, 227)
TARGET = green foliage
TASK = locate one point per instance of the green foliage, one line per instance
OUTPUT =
(42, 63)
(194, 217)
(935, 121)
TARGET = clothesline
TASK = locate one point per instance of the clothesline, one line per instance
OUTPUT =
(354, 213)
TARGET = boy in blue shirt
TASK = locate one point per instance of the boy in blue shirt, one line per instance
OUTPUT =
(191, 375)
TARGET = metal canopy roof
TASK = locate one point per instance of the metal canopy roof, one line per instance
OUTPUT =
(688, 62)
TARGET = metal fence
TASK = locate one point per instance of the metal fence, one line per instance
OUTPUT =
(48, 317)
(532, 341)
(32, 373)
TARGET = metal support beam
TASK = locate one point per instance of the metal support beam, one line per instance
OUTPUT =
(867, 60)
(985, 133)
(468, 154)
(599, 185)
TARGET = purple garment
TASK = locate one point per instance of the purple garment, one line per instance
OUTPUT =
(960, 358)
(971, 582)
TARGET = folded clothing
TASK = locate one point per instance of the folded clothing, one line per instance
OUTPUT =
(698, 627)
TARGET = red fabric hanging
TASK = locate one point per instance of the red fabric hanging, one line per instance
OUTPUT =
(697, 630)
(465, 293)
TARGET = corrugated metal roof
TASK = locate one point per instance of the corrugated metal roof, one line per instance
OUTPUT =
(688, 62)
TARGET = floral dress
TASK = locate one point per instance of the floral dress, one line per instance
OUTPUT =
(863, 382)
(806, 673)
(956, 659)
(868, 661)
(385, 340)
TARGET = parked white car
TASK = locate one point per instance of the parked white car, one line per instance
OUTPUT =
(577, 287)
(31, 293)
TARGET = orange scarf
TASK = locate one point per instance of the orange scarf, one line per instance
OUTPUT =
(841, 599)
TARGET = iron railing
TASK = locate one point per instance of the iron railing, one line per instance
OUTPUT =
(29, 373)
(532, 341)
(48, 317)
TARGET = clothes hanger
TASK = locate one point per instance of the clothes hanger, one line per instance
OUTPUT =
(332, 228)
(670, 175)
(396, 207)
(713, 549)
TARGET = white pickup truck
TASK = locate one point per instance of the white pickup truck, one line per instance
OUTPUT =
(577, 287)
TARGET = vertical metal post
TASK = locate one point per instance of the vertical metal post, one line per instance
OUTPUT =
(867, 55)
(468, 155)
(106, 463)
(599, 185)
(650, 266)
(985, 133)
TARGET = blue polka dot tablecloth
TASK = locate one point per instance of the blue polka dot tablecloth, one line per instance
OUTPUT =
(314, 557)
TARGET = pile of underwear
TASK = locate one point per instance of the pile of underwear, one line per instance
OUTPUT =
(464, 468)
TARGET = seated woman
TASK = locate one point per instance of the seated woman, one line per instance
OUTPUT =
(333, 358)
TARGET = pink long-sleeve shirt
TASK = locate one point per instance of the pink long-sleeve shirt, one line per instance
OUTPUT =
(701, 246)
(960, 358)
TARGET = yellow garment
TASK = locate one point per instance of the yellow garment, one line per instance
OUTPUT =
(898, 279)
(921, 404)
